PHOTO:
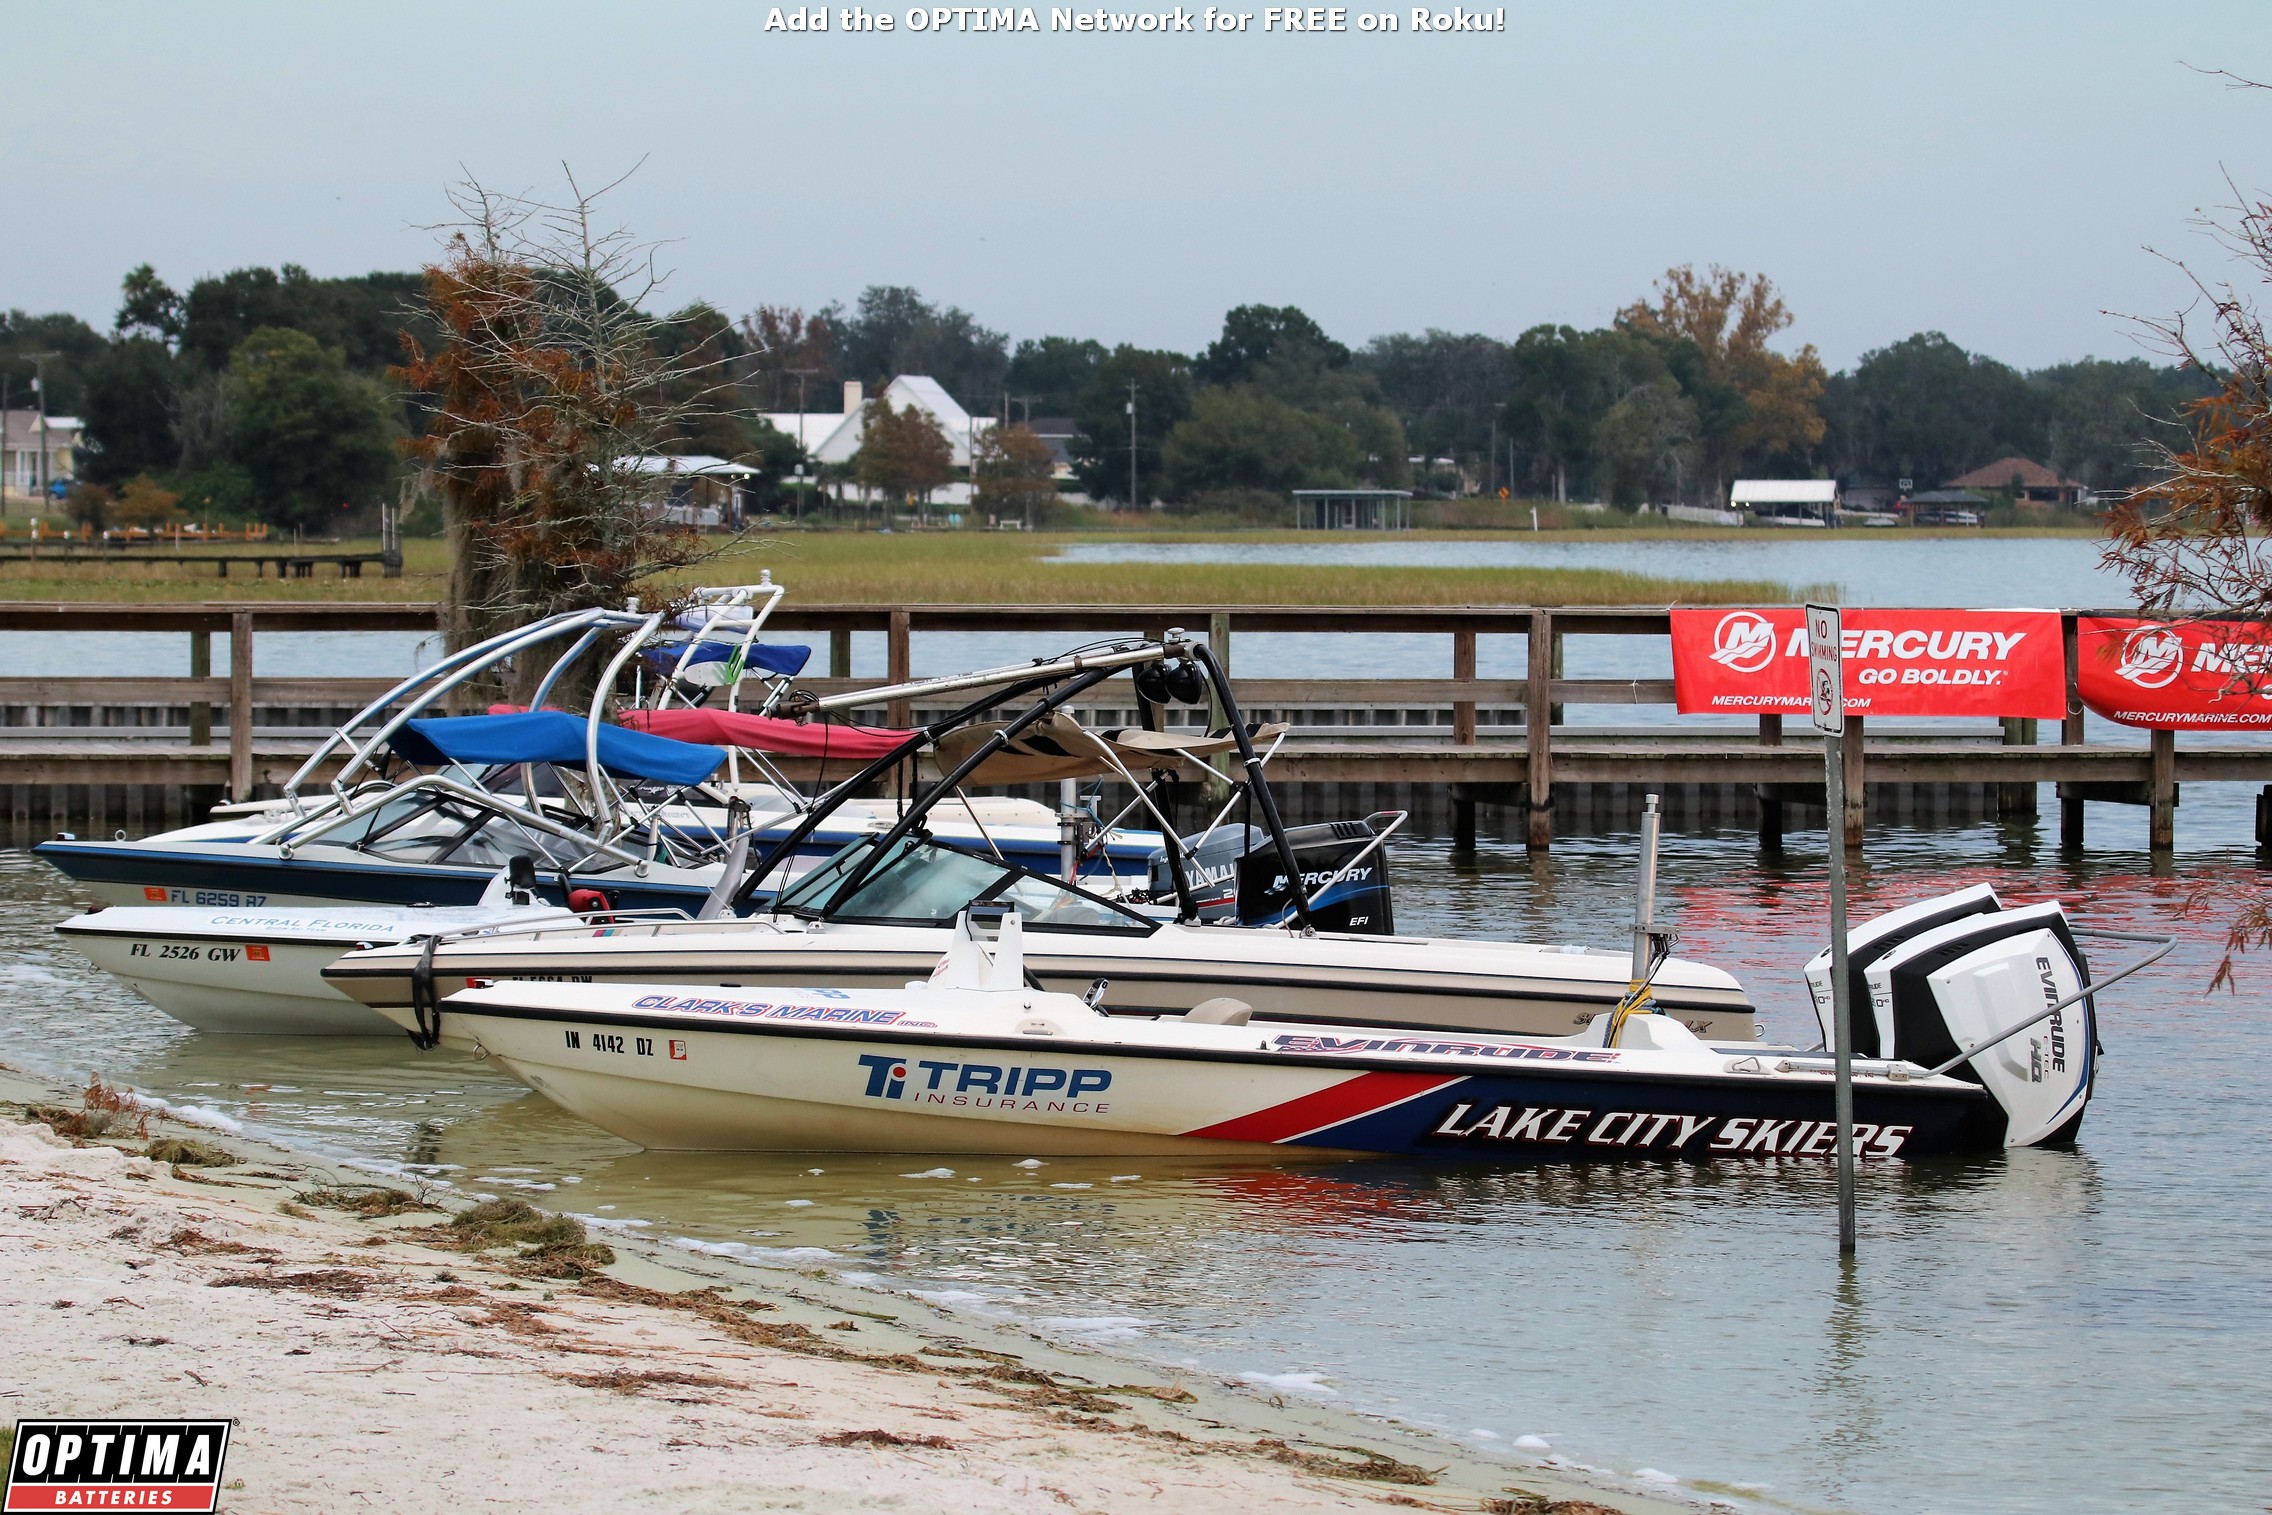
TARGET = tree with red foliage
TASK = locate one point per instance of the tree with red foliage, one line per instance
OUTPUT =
(547, 384)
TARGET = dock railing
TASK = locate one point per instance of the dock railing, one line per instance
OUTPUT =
(1487, 740)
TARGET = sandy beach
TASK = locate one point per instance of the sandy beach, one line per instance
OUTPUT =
(432, 1359)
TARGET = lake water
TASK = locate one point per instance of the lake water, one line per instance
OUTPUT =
(2081, 1331)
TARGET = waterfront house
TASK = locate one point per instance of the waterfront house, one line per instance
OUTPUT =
(2027, 482)
(834, 436)
(22, 443)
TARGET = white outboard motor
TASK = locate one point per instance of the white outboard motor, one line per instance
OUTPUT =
(1872, 940)
(1955, 985)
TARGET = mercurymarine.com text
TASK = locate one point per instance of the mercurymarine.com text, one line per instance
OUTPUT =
(1272, 18)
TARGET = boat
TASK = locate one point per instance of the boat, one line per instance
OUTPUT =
(1291, 920)
(314, 845)
(259, 971)
(976, 1061)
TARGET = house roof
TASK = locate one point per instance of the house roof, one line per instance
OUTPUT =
(2001, 473)
(22, 430)
(1784, 492)
(832, 437)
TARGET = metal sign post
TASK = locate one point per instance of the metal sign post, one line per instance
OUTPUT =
(1827, 682)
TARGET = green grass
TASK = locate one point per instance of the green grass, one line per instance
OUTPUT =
(975, 567)
(1017, 568)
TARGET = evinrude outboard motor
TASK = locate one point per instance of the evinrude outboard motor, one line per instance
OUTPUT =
(1873, 939)
(1948, 987)
(1236, 875)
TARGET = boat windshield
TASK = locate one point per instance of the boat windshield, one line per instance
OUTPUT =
(425, 828)
(927, 882)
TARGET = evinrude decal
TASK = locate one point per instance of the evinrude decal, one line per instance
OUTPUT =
(1355, 1044)
(986, 1086)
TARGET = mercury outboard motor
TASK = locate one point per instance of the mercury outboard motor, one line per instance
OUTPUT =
(1236, 876)
(1949, 988)
(1872, 940)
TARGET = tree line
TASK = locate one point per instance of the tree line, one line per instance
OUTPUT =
(273, 394)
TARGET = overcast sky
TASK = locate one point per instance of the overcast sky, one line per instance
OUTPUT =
(1996, 171)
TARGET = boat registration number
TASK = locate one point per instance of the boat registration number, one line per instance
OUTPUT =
(191, 952)
(224, 899)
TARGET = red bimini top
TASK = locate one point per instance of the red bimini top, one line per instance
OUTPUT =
(767, 733)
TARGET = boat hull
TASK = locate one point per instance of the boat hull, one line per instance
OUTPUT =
(257, 973)
(1142, 977)
(676, 1082)
(244, 987)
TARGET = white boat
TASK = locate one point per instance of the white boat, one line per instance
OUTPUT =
(901, 918)
(976, 1061)
(260, 971)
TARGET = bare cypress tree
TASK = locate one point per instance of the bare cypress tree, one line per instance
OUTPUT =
(548, 385)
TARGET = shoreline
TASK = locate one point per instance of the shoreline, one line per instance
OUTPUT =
(376, 1359)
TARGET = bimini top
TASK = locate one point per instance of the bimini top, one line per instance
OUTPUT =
(716, 660)
(767, 733)
(552, 736)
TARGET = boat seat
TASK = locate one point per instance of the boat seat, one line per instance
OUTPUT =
(1220, 1011)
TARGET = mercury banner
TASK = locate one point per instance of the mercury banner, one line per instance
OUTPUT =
(1898, 662)
(2188, 675)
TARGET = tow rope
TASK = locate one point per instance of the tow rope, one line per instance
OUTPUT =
(425, 1009)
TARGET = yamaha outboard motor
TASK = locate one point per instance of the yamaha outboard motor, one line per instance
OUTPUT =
(1959, 983)
(1872, 940)
(1236, 875)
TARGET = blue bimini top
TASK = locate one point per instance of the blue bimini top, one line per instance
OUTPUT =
(553, 736)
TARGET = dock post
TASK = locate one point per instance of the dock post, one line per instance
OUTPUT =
(2161, 791)
(201, 710)
(240, 705)
(1851, 768)
(840, 654)
(2017, 799)
(896, 661)
(2071, 735)
(1770, 797)
(1463, 671)
(1538, 733)
(1463, 735)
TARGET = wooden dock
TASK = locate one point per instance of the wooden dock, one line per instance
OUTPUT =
(148, 751)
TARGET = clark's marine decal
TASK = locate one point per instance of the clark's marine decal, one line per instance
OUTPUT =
(852, 1015)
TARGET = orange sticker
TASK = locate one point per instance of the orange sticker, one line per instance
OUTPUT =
(678, 1051)
(256, 953)
(153, 892)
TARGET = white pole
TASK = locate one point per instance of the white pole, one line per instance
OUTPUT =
(1827, 681)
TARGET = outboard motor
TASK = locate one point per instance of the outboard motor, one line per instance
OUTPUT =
(1872, 940)
(1236, 876)
(1947, 988)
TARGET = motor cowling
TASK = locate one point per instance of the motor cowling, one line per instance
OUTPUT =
(1237, 875)
(1958, 984)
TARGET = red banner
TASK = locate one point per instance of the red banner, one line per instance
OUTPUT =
(2191, 675)
(1898, 662)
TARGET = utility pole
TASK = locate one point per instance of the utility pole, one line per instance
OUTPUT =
(1132, 505)
(39, 388)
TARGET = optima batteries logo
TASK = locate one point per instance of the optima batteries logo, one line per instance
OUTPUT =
(117, 1464)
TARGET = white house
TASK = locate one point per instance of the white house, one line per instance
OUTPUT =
(20, 446)
(833, 437)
